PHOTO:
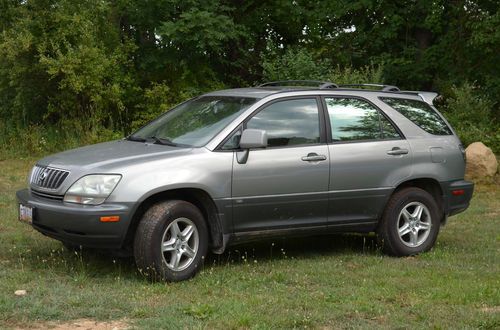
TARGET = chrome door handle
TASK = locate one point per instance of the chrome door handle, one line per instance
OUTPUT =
(397, 151)
(313, 157)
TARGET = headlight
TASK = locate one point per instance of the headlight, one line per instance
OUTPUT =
(92, 189)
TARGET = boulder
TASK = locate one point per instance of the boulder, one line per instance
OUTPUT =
(481, 161)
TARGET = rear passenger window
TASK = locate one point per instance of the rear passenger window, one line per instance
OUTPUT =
(420, 113)
(290, 122)
(355, 120)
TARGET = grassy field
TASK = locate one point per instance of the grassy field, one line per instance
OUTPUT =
(325, 282)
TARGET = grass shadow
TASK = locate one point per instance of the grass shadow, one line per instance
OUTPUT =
(268, 249)
(104, 263)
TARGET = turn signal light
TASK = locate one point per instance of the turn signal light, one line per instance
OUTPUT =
(458, 192)
(111, 218)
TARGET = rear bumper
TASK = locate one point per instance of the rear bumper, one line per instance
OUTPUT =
(78, 224)
(457, 196)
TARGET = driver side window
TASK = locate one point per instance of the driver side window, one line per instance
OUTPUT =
(289, 122)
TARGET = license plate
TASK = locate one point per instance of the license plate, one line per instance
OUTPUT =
(25, 213)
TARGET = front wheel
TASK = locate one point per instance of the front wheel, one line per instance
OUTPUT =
(171, 241)
(410, 223)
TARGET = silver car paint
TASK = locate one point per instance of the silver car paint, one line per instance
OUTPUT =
(274, 188)
(363, 173)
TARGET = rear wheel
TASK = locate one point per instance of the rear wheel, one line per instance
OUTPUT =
(410, 223)
(171, 241)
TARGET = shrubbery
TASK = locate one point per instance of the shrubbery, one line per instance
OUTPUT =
(79, 71)
(300, 64)
(470, 113)
(37, 140)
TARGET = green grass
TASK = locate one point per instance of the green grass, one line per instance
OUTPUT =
(340, 281)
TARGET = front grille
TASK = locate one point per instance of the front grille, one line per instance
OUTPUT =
(47, 177)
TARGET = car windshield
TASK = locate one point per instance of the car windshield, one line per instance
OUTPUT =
(195, 122)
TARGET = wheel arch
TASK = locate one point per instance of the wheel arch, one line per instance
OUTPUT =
(431, 186)
(196, 196)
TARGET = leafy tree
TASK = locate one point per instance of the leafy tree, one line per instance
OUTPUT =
(61, 62)
(90, 64)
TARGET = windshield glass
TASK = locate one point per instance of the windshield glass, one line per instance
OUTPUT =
(195, 122)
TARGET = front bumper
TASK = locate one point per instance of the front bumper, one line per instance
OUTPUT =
(78, 224)
(457, 196)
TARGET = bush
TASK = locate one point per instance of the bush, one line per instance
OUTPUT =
(348, 75)
(294, 64)
(39, 140)
(470, 113)
(300, 64)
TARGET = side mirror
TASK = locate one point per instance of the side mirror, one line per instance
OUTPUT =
(253, 138)
(250, 138)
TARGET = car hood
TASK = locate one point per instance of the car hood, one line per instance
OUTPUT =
(111, 155)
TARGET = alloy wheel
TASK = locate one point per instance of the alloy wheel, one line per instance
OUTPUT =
(180, 244)
(414, 224)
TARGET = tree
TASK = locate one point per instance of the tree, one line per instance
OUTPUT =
(109, 63)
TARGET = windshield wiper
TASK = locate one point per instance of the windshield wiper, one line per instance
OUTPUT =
(135, 138)
(156, 140)
(163, 141)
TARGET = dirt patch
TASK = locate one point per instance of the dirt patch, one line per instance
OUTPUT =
(81, 324)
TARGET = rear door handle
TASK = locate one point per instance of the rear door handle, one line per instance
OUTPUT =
(397, 151)
(313, 157)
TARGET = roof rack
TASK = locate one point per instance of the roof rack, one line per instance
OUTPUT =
(326, 85)
(283, 83)
(384, 88)
(427, 97)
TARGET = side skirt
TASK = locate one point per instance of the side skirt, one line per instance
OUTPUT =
(357, 227)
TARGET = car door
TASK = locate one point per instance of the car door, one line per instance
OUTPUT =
(368, 157)
(284, 185)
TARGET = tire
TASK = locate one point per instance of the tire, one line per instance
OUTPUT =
(410, 223)
(164, 248)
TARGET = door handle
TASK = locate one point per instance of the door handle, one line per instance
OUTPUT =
(397, 151)
(313, 157)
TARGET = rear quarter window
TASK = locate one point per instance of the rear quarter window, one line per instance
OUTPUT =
(420, 113)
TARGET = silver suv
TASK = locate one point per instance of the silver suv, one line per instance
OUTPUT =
(240, 164)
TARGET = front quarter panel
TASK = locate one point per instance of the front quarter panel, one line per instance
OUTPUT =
(201, 169)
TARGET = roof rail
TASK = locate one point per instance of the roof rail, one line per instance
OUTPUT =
(283, 83)
(427, 97)
(384, 88)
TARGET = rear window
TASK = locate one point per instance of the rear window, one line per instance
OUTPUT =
(420, 113)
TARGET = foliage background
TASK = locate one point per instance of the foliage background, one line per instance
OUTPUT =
(82, 71)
